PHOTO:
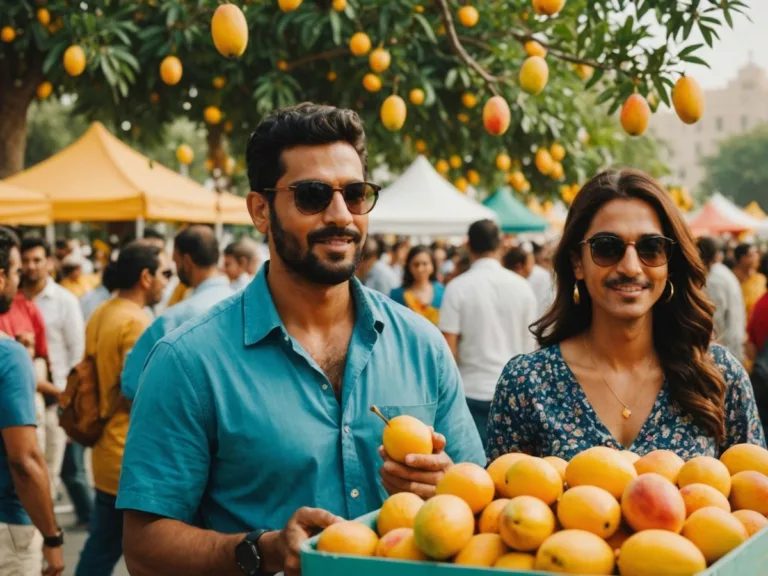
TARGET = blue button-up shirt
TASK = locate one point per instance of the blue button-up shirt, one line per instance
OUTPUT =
(236, 426)
(208, 293)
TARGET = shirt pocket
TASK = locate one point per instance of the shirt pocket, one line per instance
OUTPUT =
(424, 412)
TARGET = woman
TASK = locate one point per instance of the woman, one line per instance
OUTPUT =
(626, 359)
(420, 292)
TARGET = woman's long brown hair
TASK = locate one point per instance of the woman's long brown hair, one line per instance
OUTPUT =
(682, 328)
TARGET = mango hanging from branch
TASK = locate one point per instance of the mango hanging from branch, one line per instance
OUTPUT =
(496, 116)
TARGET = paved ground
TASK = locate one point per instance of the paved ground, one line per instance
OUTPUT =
(73, 543)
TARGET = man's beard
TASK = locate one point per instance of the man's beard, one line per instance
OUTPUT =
(5, 303)
(308, 265)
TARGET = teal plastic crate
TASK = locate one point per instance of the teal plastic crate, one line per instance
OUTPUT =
(749, 559)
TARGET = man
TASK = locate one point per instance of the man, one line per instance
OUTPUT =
(101, 293)
(196, 255)
(72, 276)
(111, 332)
(520, 261)
(65, 335)
(725, 292)
(374, 273)
(485, 317)
(753, 284)
(259, 409)
(541, 278)
(241, 262)
(26, 508)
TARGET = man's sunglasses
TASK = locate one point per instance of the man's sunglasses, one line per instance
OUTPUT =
(312, 197)
(653, 251)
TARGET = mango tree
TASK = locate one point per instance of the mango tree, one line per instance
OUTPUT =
(562, 68)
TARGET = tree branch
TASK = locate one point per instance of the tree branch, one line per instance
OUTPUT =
(463, 55)
(327, 55)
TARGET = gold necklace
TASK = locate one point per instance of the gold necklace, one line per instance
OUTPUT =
(626, 413)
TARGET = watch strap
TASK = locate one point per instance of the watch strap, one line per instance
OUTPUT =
(251, 543)
(54, 541)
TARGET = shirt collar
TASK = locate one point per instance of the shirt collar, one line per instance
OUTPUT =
(486, 263)
(261, 317)
(49, 290)
(211, 283)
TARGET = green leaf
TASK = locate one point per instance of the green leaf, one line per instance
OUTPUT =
(596, 77)
(450, 79)
(53, 57)
(689, 50)
(335, 20)
(696, 60)
(605, 96)
(661, 89)
(430, 34)
(172, 16)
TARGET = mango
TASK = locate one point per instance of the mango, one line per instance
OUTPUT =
(398, 511)
(471, 483)
(749, 491)
(741, 457)
(525, 523)
(663, 462)
(400, 544)
(534, 477)
(496, 116)
(534, 75)
(752, 521)
(516, 561)
(688, 100)
(635, 115)
(393, 113)
(488, 523)
(75, 61)
(698, 496)
(498, 468)
(602, 467)
(229, 30)
(591, 509)
(715, 532)
(575, 552)
(652, 502)
(443, 526)
(660, 553)
(548, 7)
(348, 537)
(705, 470)
(481, 550)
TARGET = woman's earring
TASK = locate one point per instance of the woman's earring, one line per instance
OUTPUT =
(576, 295)
(671, 292)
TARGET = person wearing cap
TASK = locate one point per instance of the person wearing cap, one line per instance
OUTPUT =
(72, 276)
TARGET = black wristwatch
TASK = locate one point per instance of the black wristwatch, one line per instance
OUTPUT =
(54, 541)
(247, 553)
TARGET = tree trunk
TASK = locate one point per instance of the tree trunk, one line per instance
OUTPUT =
(217, 157)
(13, 130)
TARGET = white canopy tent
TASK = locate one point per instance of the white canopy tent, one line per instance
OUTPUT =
(735, 214)
(423, 203)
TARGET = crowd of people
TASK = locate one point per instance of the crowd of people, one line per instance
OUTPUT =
(234, 394)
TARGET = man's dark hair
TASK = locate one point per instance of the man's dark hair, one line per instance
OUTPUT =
(152, 234)
(199, 241)
(32, 242)
(306, 124)
(62, 243)
(537, 248)
(132, 261)
(241, 249)
(483, 237)
(8, 241)
(371, 248)
(741, 251)
(515, 257)
(707, 249)
(109, 277)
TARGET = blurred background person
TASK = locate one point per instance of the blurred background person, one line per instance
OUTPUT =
(399, 255)
(724, 290)
(440, 255)
(753, 284)
(520, 261)
(241, 262)
(485, 317)
(421, 292)
(373, 272)
(541, 278)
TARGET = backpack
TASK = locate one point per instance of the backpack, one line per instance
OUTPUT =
(80, 413)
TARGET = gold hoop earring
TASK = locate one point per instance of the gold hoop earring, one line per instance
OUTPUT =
(576, 294)
(671, 292)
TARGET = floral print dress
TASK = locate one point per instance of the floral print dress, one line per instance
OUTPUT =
(539, 408)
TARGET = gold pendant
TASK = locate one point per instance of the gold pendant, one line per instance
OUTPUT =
(626, 413)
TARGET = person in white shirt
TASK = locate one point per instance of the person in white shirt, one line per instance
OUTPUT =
(541, 279)
(241, 262)
(65, 333)
(485, 317)
(724, 290)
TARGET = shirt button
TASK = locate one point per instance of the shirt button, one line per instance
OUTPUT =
(287, 338)
(324, 386)
(355, 493)
(346, 430)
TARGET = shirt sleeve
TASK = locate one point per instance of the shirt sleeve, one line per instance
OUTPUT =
(742, 422)
(17, 386)
(450, 317)
(38, 323)
(137, 357)
(453, 420)
(509, 423)
(74, 330)
(167, 453)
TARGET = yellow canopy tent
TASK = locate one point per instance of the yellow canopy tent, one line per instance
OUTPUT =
(99, 178)
(23, 207)
(232, 209)
(754, 210)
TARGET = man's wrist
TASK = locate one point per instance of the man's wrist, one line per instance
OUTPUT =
(269, 550)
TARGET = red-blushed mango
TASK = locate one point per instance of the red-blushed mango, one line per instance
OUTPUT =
(651, 502)
(698, 496)
(635, 115)
(496, 116)
(400, 544)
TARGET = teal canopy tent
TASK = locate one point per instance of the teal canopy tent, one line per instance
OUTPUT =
(514, 217)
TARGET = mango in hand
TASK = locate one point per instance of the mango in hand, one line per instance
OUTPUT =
(405, 435)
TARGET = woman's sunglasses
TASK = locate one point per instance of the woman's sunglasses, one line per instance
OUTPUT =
(653, 251)
(312, 197)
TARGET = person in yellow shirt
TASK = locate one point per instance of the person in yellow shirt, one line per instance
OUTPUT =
(142, 272)
(73, 279)
(753, 284)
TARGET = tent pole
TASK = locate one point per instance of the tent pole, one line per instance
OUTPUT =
(50, 234)
(139, 227)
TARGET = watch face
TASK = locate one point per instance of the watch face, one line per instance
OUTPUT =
(247, 558)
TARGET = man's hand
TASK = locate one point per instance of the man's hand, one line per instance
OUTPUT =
(420, 473)
(281, 549)
(54, 560)
(48, 390)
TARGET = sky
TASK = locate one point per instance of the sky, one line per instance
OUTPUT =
(734, 48)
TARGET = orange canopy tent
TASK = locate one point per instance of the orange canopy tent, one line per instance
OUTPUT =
(232, 209)
(99, 178)
(710, 220)
(23, 207)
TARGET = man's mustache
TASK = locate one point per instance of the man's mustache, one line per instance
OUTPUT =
(333, 232)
